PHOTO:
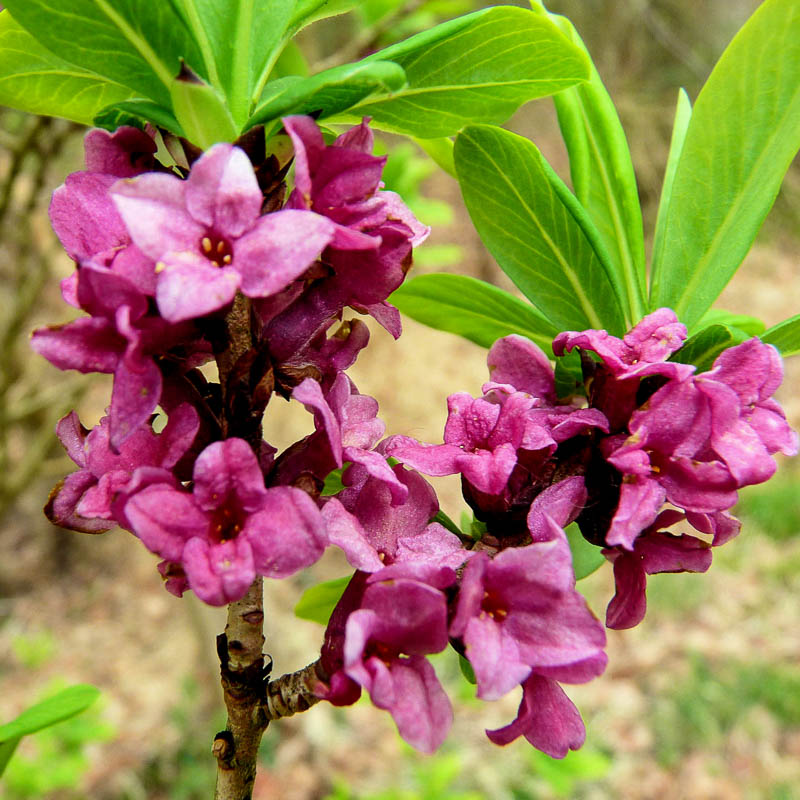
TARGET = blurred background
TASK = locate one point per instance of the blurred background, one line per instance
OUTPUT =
(702, 700)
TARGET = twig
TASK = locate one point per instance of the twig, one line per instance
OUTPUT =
(293, 693)
(241, 655)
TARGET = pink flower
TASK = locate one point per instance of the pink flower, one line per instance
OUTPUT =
(230, 528)
(208, 237)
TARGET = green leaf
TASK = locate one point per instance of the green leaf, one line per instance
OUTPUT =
(240, 41)
(7, 749)
(785, 336)
(717, 316)
(466, 670)
(744, 133)
(569, 375)
(327, 93)
(291, 61)
(537, 231)
(67, 703)
(478, 68)
(308, 11)
(33, 79)
(683, 114)
(448, 523)
(137, 110)
(137, 43)
(586, 557)
(602, 174)
(201, 113)
(471, 308)
(318, 602)
(333, 482)
(703, 348)
(441, 152)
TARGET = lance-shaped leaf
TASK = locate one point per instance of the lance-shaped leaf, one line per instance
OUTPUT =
(602, 174)
(240, 40)
(540, 235)
(67, 703)
(471, 308)
(328, 92)
(478, 68)
(703, 348)
(34, 79)
(785, 336)
(136, 43)
(744, 133)
(683, 114)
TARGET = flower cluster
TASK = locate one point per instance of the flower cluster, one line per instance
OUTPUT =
(650, 432)
(204, 261)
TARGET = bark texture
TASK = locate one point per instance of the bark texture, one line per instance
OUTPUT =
(240, 650)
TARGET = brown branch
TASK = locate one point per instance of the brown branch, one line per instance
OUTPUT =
(241, 646)
(293, 693)
(240, 650)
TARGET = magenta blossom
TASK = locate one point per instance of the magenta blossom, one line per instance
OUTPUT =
(519, 612)
(653, 551)
(375, 533)
(85, 498)
(121, 337)
(378, 638)
(230, 528)
(208, 237)
(347, 429)
(698, 440)
(85, 218)
(502, 443)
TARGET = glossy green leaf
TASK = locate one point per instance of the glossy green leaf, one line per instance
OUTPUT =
(137, 111)
(785, 336)
(67, 703)
(136, 43)
(683, 114)
(718, 316)
(703, 348)
(478, 68)
(586, 557)
(743, 134)
(201, 113)
(318, 602)
(33, 79)
(602, 174)
(240, 41)
(537, 231)
(471, 308)
(327, 93)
